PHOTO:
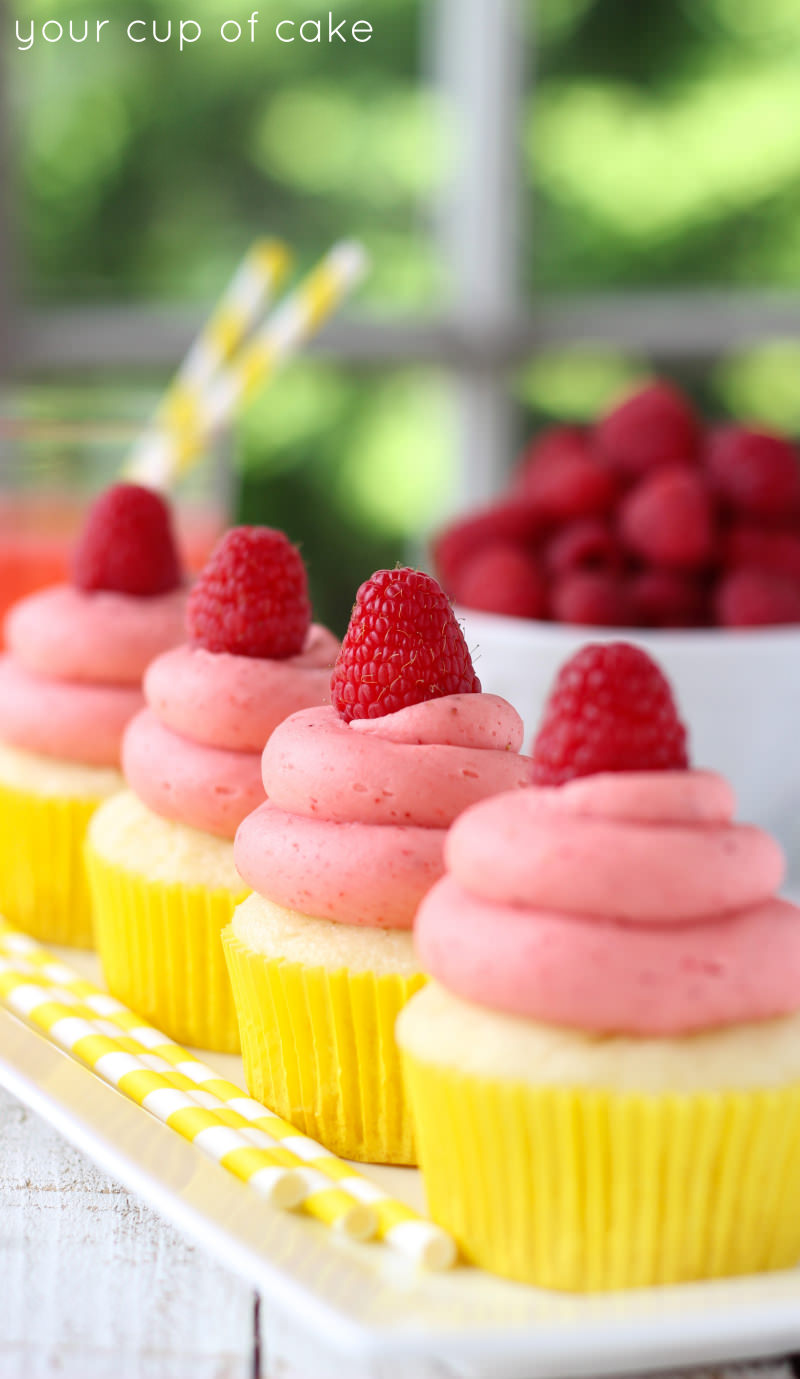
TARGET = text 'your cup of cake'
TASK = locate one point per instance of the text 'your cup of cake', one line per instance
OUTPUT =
(605, 1069)
(69, 684)
(360, 795)
(160, 855)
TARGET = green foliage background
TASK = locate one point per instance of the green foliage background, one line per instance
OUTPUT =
(660, 149)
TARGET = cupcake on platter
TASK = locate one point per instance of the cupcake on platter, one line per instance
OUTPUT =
(360, 795)
(69, 683)
(605, 1069)
(160, 855)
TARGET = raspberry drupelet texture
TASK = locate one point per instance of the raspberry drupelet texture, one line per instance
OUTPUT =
(127, 545)
(757, 598)
(252, 597)
(754, 472)
(561, 474)
(504, 578)
(403, 646)
(668, 520)
(611, 709)
(653, 428)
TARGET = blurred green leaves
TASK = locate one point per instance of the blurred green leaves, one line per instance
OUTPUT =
(660, 149)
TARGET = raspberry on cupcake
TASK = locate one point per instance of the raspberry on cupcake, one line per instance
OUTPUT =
(160, 855)
(69, 684)
(359, 797)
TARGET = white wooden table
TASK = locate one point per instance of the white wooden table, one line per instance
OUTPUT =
(93, 1284)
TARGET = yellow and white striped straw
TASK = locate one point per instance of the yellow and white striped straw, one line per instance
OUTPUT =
(197, 415)
(61, 1019)
(157, 1086)
(329, 1180)
(248, 295)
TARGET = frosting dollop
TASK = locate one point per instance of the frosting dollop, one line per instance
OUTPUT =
(71, 679)
(99, 638)
(615, 904)
(70, 721)
(237, 702)
(357, 812)
(194, 754)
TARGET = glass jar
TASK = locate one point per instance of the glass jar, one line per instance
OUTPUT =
(50, 470)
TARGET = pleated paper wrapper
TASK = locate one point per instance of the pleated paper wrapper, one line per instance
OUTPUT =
(161, 952)
(43, 884)
(319, 1049)
(590, 1190)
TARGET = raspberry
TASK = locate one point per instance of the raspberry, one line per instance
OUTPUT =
(653, 428)
(555, 445)
(668, 519)
(403, 646)
(252, 596)
(517, 521)
(762, 548)
(611, 709)
(585, 545)
(754, 472)
(664, 598)
(563, 477)
(757, 598)
(127, 544)
(503, 579)
(592, 598)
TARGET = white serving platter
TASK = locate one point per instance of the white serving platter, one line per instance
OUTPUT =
(358, 1309)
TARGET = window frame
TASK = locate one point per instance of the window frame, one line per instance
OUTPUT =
(480, 61)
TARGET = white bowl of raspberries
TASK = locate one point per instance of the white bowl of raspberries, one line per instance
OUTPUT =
(651, 527)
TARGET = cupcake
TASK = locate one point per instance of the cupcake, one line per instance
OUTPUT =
(605, 1069)
(69, 684)
(160, 854)
(360, 795)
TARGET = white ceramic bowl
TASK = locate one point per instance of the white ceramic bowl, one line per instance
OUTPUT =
(738, 693)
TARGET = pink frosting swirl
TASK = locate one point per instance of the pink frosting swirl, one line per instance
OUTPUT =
(71, 681)
(194, 755)
(101, 638)
(357, 815)
(82, 723)
(615, 904)
(238, 701)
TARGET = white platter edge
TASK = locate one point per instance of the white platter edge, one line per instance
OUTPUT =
(358, 1301)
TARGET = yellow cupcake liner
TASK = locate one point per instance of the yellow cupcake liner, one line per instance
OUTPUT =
(319, 1050)
(160, 950)
(591, 1190)
(43, 884)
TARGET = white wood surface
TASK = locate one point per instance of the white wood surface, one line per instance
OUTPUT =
(93, 1284)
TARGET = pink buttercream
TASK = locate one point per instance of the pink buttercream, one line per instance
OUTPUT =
(355, 827)
(615, 904)
(574, 852)
(82, 723)
(72, 679)
(317, 764)
(238, 701)
(613, 978)
(97, 638)
(352, 872)
(195, 755)
(209, 788)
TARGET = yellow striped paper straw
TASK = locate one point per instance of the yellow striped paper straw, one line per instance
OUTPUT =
(397, 1224)
(197, 415)
(156, 1085)
(247, 296)
(60, 1020)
